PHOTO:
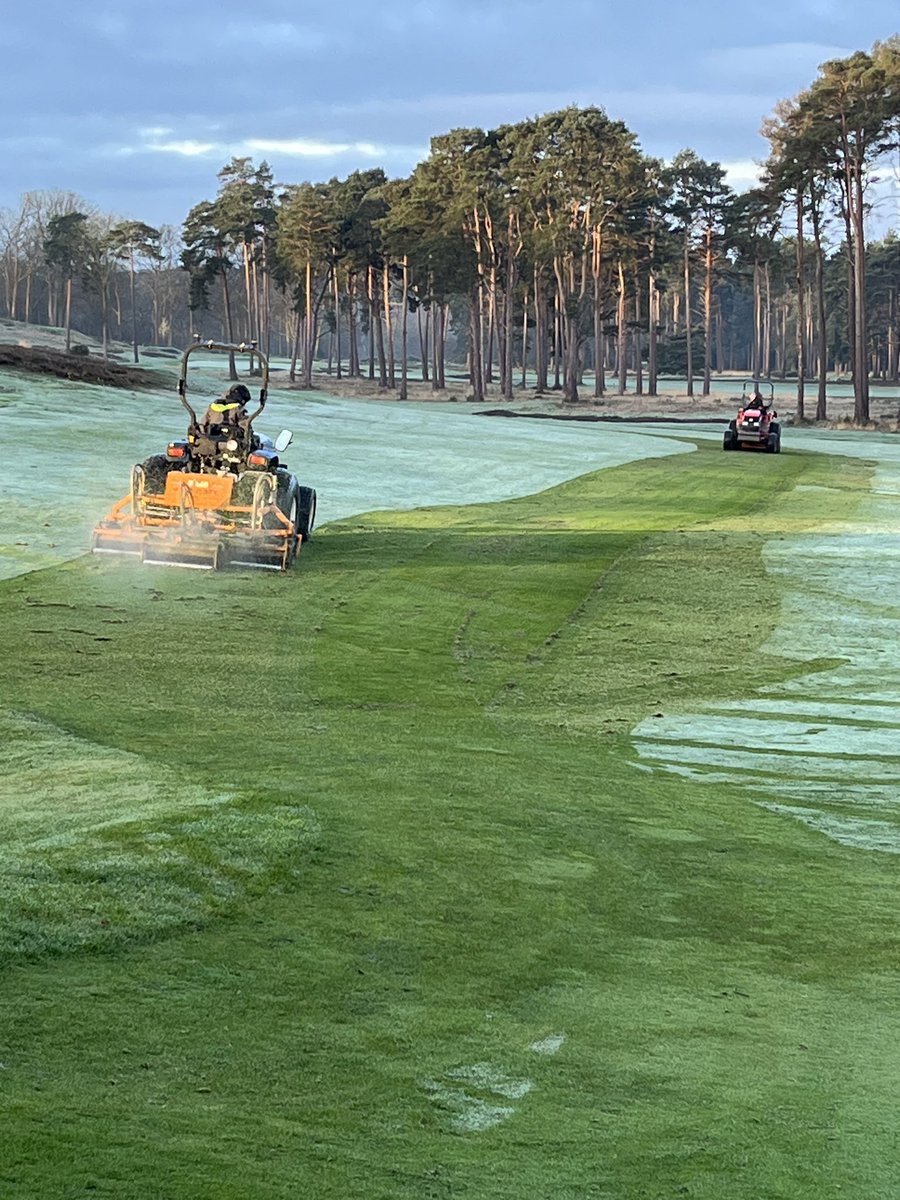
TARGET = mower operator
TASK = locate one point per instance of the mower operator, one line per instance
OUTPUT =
(230, 410)
(757, 400)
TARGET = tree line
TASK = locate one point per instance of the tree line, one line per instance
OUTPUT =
(549, 253)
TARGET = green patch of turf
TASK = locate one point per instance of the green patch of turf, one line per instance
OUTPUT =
(98, 849)
(469, 949)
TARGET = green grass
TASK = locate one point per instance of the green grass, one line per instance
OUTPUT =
(345, 883)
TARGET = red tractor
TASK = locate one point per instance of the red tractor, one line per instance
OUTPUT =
(755, 427)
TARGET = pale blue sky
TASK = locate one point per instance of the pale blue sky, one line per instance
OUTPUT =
(137, 107)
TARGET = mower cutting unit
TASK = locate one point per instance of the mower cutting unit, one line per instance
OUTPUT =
(219, 497)
(755, 426)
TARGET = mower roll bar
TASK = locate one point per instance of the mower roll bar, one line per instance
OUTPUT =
(749, 386)
(228, 348)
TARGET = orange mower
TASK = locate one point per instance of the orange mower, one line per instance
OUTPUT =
(219, 497)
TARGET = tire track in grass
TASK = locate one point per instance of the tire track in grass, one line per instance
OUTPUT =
(823, 749)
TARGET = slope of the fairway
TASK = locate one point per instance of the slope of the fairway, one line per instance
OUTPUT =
(349, 884)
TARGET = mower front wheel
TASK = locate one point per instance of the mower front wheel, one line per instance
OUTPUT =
(156, 468)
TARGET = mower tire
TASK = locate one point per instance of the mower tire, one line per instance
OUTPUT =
(287, 500)
(307, 519)
(155, 469)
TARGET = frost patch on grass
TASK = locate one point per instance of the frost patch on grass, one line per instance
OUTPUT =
(366, 455)
(867, 710)
(488, 1078)
(832, 738)
(849, 831)
(836, 737)
(549, 1045)
(469, 1111)
(768, 759)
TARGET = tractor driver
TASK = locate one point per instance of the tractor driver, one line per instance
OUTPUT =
(757, 400)
(231, 409)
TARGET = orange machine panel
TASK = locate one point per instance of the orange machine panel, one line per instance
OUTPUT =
(199, 491)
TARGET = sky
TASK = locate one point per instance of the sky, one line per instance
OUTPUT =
(135, 107)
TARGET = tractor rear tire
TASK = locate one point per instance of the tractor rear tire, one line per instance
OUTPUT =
(307, 520)
(288, 502)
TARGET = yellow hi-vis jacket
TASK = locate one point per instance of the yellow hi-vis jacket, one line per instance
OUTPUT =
(222, 413)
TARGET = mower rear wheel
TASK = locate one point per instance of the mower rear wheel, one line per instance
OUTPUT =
(293, 515)
(307, 519)
(287, 501)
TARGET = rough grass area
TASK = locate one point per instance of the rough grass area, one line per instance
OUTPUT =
(446, 935)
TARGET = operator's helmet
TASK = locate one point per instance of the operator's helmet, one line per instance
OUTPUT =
(238, 393)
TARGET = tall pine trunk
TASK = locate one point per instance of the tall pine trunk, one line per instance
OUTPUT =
(476, 367)
(404, 323)
(622, 333)
(652, 330)
(689, 346)
(861, 364)
(707, 310)
(352, 327)
(801, 309)
(597, 297)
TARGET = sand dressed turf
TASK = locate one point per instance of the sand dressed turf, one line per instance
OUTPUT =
(353, 883)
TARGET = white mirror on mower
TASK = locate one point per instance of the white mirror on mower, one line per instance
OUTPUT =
(283, 440)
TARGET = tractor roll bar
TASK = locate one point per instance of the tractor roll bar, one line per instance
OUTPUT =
(248, 348)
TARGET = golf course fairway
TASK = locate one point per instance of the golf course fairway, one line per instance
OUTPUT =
(360, 882)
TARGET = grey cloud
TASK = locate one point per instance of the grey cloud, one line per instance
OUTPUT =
(81, 84)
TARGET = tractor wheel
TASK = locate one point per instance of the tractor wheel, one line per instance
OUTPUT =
(287, 500)
(156, 469)
(292, 512)
(307, 518)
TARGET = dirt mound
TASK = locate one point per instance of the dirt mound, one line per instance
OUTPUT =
(84, 368)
